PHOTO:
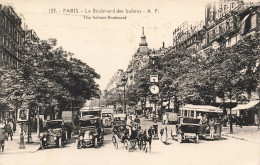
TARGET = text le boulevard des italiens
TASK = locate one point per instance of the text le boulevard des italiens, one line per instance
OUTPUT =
(102, 13)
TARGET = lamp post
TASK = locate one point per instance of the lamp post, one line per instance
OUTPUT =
(124, 80)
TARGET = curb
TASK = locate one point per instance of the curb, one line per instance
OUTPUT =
(238, 138)
(33, 151)
(20, 151)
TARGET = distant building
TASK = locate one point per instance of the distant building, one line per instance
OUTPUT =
(11, 37)
(30, 35)
(116, 80)
(139, 59)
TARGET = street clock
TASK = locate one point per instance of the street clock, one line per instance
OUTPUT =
(154, 89)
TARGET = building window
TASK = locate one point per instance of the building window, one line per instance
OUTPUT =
(253, 21)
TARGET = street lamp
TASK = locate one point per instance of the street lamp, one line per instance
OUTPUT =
(124, 80)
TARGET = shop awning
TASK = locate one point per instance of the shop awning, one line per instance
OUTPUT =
(148, 105)
(249, 105)
(202, 108)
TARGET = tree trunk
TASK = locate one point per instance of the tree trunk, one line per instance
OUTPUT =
(230, 115)
(176, 105)
(169, 98)
(38, 122)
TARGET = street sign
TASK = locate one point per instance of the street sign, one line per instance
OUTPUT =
(154, 78)
(154, 89)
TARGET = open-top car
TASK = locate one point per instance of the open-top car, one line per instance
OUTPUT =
(187, 128)
(55, 134)
(91, 132)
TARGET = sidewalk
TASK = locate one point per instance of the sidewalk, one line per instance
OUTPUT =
(247, 133)
(12, 146)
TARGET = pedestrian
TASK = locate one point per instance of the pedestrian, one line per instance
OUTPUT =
(3, 136)
(211, 128)
(200, 117)
(165, 118)
(241, 121)
(9, 131)
(150, 134)
(164, 135)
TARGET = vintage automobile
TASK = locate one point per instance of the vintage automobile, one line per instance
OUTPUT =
(107, 119)
(91, 132)
(194, 111)
(139, 113)
(55, 135)
(187, 128)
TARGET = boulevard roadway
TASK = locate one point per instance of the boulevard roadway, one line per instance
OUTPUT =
(225, 151)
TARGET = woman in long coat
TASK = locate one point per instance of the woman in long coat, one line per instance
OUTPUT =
(164, 133)
(2, 136)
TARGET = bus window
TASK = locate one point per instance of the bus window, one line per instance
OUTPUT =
(185, 113)
(192, 114)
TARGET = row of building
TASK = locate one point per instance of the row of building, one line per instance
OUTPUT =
(13, 36)
(225, 23)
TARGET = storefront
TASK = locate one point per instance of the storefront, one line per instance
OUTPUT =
(249, 112)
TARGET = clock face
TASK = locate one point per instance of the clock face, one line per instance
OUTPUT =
(154, 89)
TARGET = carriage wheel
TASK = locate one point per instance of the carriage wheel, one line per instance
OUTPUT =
(179, 138)
(115, 142)
(145, 146)
(126, 144)
(140, 145)
(197, 139)
(133, 144)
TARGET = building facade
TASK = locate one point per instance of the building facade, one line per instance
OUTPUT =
(11, 37)
(116, 80)
(226, 22)
(139, 60)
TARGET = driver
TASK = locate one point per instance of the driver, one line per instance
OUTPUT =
(137, 120)
(129, 123)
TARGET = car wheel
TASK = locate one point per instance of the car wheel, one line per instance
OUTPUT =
(197, 139)
(60, 142)
(79, 146)
(96, 143)
(179, 138)
(41, 145)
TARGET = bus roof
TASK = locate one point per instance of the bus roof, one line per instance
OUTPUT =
(107, 110)
(202, 108)
(89, 117)
(119, 115)
(90, 109)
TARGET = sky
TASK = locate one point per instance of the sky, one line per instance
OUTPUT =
(107, 45)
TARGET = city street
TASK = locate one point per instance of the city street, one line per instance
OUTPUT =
(224, 151)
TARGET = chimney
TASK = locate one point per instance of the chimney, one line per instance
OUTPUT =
(163, 45)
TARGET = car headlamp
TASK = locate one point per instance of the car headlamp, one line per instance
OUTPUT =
(90, 136)
(55, 138)
(44, 139)
(81, 138)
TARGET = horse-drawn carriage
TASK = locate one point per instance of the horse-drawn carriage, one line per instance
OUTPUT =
(130, 136)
